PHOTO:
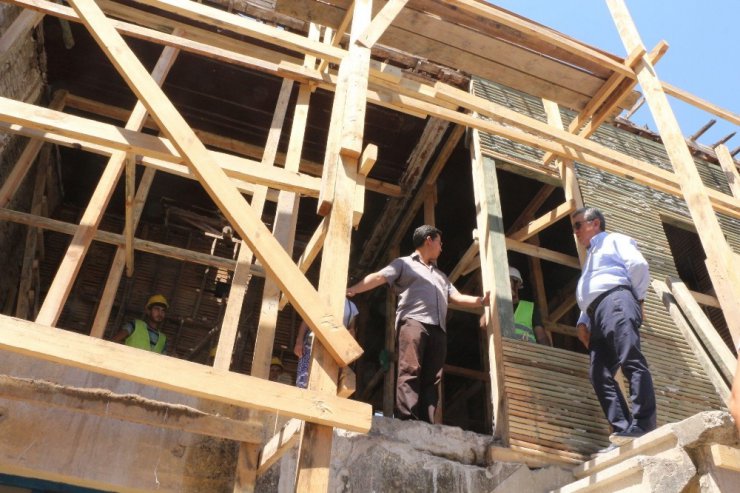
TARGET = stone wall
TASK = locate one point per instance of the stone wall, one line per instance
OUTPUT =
(23, 78)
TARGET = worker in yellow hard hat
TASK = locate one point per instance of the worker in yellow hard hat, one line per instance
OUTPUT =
(277, 372)
(146, 334)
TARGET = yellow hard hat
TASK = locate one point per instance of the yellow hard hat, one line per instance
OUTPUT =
(276, 361)
(157, 299)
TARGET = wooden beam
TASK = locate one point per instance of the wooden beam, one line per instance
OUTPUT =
(278, 444)
(314, 454)
(542, 33)
(109, 358)
(232, 145)
(713, 374)
(724, 275)
(707, 333)
(564, 308)
(466, 259)
(25, 305)
(28, 157)
(118, 240)
(367, 161)
(495, 278)
(128, 407)
(544, 221)
(567, 330)
(157, 152)
(66, 274)
(532, 207)
(22, 24)
(729, 168)
(700, 103)
(281, 230)
(380, 22)
(542, 253)
(251, 28)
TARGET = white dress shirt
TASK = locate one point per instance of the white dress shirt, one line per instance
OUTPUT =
(613, 260)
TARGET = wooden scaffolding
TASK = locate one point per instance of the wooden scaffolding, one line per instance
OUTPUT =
(410, 56)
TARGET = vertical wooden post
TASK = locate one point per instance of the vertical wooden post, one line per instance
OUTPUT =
(315, 449)
(729, 168)
(494, 277)
(724, 276)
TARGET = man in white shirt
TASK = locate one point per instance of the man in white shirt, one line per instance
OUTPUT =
(610, 293)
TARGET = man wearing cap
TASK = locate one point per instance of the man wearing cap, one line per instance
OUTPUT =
(424, 293)
(277, 373)
(146, 334)
(527, 319)
(610, 294)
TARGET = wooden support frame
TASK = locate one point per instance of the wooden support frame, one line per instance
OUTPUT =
(25, 21)
(729, 168)
(544, 221)
(380, 22)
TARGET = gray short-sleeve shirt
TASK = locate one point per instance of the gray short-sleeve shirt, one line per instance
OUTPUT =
(423, 290)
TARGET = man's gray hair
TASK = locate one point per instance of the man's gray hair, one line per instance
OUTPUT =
(591, 213)
(421, 233)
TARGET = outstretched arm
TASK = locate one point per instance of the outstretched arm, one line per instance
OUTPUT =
(370, 281)
(470, 301)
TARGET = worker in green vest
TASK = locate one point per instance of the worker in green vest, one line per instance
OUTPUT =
(527, 320)
(146, 334)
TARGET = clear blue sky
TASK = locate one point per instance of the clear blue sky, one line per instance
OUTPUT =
(703, 58)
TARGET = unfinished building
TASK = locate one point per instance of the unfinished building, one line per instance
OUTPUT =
(244, 158)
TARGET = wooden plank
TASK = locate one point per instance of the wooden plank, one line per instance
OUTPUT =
(248, 27)
(26, 21)
(109, 358)
(706, 362)
(725, 457)
(544, 221)
(700, 103)
(157, 151)
(724, 277)
(540, 32)
(367, 161)
(118, 240)
(129, 407)
(380, 22)
(66, 274)
(278, 444)
(729, 168)
(715, 346)
(276, 262)
(495, 276)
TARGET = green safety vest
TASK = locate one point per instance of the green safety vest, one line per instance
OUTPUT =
(523, 321)
(139, 338)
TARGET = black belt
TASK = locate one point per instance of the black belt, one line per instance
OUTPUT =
(591, 310)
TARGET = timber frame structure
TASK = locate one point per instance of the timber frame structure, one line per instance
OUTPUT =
(417, 58)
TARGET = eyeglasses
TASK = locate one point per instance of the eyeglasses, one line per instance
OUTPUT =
(577, 225)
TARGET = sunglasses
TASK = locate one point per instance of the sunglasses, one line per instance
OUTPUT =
(577, 225)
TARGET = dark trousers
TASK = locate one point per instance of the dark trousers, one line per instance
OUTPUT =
(422, 349)
(615, 343)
